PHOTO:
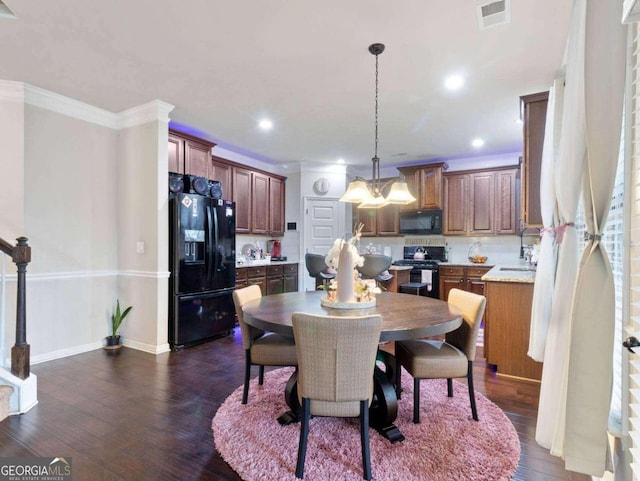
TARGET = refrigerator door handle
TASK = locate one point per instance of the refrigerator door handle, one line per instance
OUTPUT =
(216, 242)
(210, 251)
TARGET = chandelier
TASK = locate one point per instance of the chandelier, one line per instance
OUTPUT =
(368, 194)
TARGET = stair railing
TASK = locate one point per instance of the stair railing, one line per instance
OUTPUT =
(20, 353)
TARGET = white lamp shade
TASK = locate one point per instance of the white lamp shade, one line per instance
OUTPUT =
(399, 194)
(357, 192)
(374, 203)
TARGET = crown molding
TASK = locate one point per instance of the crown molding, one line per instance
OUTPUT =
(11, 91)
(156, 110)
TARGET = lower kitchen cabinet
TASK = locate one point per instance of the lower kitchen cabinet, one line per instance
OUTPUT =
(272, 279)
(506, 332)
(467, 278)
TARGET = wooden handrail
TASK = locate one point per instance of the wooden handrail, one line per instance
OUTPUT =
(20, 352)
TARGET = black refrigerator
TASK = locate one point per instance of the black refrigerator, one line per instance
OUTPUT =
(202, 261)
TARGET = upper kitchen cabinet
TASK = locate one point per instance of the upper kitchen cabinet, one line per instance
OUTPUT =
(222, 172)
(534, 115)
(480, 202)
(381, 222)
(189, 155)
(260, 202)
(425, 184)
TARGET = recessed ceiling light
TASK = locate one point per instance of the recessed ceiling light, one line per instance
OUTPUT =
(266, 124)
(454, 82)
(477, 143)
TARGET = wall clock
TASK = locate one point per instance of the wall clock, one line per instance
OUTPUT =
(321, 186)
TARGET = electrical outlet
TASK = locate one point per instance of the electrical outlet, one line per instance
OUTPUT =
(140, 247)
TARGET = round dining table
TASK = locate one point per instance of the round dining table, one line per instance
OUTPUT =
(404, 316)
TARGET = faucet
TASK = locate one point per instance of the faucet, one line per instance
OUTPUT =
(521, 235)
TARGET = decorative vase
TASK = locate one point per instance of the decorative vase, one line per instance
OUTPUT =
(346, 282)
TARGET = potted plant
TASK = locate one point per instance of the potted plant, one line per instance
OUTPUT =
(117, 318)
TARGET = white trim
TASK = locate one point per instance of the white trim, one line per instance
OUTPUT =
(53, 276)
(156, 110)
(11, 91)
(60, 104)
(630, 11)
(150, 348)
(146, 274)
(66, 352)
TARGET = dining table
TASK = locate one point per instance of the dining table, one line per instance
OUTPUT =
(404, 316)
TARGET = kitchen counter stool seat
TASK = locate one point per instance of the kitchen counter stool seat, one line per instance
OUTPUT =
(261, 348)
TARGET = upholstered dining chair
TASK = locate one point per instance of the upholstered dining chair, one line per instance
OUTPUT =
(261, 348)
(336, 358)
(453, 357)
(318, 268)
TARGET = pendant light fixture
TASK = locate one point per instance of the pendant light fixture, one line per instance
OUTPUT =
(368, 194)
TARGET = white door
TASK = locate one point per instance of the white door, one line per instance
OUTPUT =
(324, 223)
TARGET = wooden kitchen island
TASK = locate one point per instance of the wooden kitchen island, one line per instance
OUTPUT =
(509, 292)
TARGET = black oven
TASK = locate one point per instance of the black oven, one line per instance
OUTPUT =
(424, 267)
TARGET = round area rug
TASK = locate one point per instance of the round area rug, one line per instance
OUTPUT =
(447, 445)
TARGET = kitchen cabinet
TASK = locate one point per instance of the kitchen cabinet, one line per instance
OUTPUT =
(425, 184)
(276, 206)
(223, 173)
(481, 202)
(400, 276)
(189, 155)
(467, 278)
(272, 279)
(260, 202)
(534, 115)
(506, 332)
(242, 185)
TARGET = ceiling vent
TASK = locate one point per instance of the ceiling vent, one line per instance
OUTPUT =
(5, 12)
(494, 13)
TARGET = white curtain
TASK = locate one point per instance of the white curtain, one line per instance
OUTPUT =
(577, 373)
(546, 271)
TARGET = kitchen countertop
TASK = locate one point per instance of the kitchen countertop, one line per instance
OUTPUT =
(466, 264)
(511, 273)
(271, 263)
(400, 268)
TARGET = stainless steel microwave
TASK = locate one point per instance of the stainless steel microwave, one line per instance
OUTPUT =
(421, 222)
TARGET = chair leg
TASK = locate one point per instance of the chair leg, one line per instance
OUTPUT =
(364, 439)
(449, 387)
(247, 375)
(304, 434)
(261, 375)
(416, 400)
(472, 396)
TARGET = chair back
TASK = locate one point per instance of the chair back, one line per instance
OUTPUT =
(336, 358)
(315, 264)
(240, 298)
(373, 265)
(472, 307)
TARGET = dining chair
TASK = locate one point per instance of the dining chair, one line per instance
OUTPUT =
(375, 266)
(318, 268)
(336, 359)
(261, 348)
(453, 357)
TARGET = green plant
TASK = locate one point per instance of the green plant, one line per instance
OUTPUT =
(118, 317)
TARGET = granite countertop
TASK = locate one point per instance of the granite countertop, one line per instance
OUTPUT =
(508, 273)
(400, 268)
(466, 264)
(264, 263)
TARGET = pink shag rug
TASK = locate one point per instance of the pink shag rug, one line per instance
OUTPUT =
(447, 445)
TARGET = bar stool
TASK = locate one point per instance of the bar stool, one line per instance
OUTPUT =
(417, 288)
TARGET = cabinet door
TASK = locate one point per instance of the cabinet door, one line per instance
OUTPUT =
(275, 285)
(448, 283)
(534, 108)
(387, 223)
(290, 282)
(197, 158)
(242, 198)
(482, 200)
(176, 154)
(412, 178)
(368, 218)
(455, 204)
(223, 173)
(261, 281)
(276, 206)
(260, 204)
(430, 188)
(506, 201)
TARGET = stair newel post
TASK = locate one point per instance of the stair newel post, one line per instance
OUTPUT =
(20, 355)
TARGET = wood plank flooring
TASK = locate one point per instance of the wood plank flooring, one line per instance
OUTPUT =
(128, 415)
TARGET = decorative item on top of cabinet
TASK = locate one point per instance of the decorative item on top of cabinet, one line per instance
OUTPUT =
(425, 183)
(534, 115)
(480, 202)
(190, 155)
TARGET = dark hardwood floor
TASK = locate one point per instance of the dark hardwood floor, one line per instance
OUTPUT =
(128, 415)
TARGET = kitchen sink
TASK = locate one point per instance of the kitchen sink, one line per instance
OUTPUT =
(520, 269)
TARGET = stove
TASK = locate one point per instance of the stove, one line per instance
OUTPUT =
(425, 270)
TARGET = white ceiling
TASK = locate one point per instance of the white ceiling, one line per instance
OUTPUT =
(306, 65)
